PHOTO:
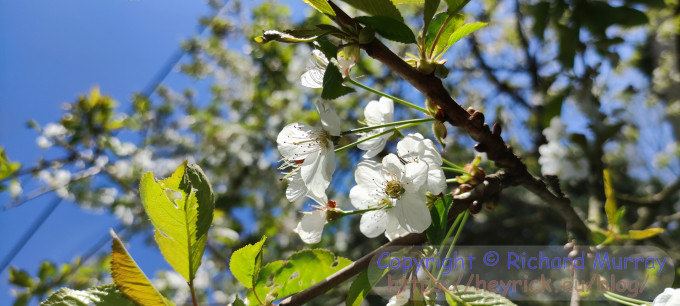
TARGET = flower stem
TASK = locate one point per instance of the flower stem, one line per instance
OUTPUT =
(409, 104)
(374, 136)
(455, 170)
(455, 239)
(369, 128)
(452, 164)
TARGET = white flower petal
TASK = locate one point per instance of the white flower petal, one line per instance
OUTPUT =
(401, 298)
(392, 166)
(412, 212)
(415, 176)
(436, 181)
(394, 230)
(364, 196)
(294, 141)
(296, 187)
(311, 226)
(373, 146)
(373, 223)
(430, 153)
(315, 173)
(329, 118)
(369, 172)
(669, 297)
(313, 78)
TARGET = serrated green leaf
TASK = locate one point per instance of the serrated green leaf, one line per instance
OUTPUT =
(321, 6)
(332, 82)
(181, 211)
(439, 213)
(327, 48)
(106, 295)
(644, 234)
(298, 272)
(465, 30)
(448, 29)
(238, 302)
(377, 8)
(610, 203)
(474, 296)
(129, 278)
(389, 28)
(20, 278)
(291, 36)
(245, 263)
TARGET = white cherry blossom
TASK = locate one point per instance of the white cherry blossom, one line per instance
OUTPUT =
(313, 77)
(377, 113)
(414, 148)
(309, 151)
(400, 298)
(395, 191)
(311, 226)
(668, 297)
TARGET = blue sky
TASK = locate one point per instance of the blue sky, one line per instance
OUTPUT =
(51, 52)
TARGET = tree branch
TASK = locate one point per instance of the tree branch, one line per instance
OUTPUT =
(651, 199)
(349, 271)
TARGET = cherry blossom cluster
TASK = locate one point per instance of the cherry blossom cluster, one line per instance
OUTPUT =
(390, 194)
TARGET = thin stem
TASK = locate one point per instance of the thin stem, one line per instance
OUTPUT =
(452, 164)
(194, 299)
(453, 180)
(455, 239)
(448, 234)
(409, 104)
(455, 170)
(441, 30)
(369, 128)
(338, 150)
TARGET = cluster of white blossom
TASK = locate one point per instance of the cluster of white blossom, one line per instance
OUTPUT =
(390, 195)
(567, 162)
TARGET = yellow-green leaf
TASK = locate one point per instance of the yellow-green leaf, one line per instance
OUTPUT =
(610, 204)
(181, 211)
(129, 278)
(321, 6)
(105, 295)
(245, 263)
(644, 234)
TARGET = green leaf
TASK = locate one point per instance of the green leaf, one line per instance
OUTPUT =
(238, 302)
(474, 296)
(361, 287)
(610, 204)
(434, 28)
(47, 269)
(377, 8)
(332, 82)
(321, 6)
(456, 6)
(389, 28)
(181, 211)
(430, 9)
(245, 263)
(327, 48)
(644, 234)
(465, 30)
(300, 271)
(20, 278)
(106, 295)
(440, 212)
(129, 278)
(291, 36)
(7, 167)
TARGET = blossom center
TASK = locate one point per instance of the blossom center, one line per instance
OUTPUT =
(394, 189)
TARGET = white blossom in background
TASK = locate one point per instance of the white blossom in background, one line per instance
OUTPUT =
(313, 77)
(669, 297)
(122, 148)
(43, 142)
(58, 180)
(376, 113)
(310, 151)
(414, 148)
(568, 163)
(395, 191)
(54, 130)
(15, 189)
(124, 214)
(401, 298)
